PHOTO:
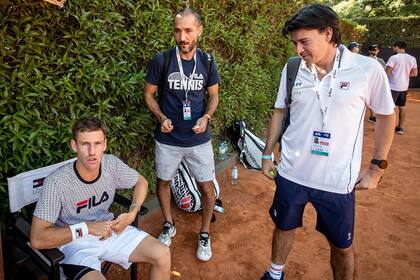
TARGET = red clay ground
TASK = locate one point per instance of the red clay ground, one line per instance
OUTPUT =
(387, 233)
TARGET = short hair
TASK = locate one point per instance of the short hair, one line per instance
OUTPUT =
(400, 44)
(373, 47)
(353, 45)
(314, 16)
(88, 124)
(189, 11)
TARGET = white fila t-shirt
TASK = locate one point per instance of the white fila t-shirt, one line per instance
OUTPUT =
(67, 199)
(360, 81)
(402, 64)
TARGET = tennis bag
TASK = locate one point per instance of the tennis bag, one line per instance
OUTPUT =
(250, 146)
(185, 191)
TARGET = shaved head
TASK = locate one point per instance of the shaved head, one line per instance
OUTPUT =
(187, 11)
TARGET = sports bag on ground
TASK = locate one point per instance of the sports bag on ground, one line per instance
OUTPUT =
(249, 145)
(185, 191)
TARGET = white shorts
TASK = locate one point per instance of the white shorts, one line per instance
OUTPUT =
(199, 159)
(90, 251)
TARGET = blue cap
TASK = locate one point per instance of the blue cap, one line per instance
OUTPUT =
(353, 45)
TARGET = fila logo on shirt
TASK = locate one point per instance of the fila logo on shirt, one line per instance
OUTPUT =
(91, 202)
(176, 82)
(344, 85)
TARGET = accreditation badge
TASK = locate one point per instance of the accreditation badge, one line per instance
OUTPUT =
(186, 110)
(321, 143)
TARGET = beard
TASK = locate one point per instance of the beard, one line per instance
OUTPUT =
(191, 47)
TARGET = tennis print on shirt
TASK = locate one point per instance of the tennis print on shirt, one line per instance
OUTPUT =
(176, 82)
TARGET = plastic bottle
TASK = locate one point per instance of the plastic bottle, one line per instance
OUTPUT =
(222, 150)
(234, 177)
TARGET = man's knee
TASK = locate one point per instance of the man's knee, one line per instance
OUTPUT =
(162, 184)
(162, 257)
(341, 252)
(280, 233)
(207, 191)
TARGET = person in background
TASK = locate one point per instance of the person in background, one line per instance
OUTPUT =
(399, 68)
(373, 53)
(354, 47)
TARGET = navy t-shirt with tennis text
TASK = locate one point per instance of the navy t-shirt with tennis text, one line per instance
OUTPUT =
(173, 94)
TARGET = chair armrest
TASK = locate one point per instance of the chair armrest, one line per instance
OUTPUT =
(18, 256)
(48, 257)
(125, 202)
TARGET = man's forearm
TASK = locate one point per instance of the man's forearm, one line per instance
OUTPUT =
(139, 194)
(213, 100)
(212, 104)
(384, 133)
(274, 130)
(50, 237)
(154, 107)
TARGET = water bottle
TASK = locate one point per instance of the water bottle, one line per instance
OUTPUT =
(234, 177)
(222, 150)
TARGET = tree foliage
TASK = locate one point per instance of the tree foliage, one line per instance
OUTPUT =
(353, 9)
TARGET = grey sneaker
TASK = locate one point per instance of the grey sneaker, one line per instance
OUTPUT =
(204, 247)
(167, 233)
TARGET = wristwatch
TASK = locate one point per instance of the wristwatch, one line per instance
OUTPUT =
(381, 163)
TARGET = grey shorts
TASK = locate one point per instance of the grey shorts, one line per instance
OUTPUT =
(199, 159)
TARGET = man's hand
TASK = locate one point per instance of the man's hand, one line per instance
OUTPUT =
(201, 125)
(269, 169)
(122, 221)
(166, 126)
(102, 229)
(369, 179)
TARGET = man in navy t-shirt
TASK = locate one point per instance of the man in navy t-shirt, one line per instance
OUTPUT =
(183, 115)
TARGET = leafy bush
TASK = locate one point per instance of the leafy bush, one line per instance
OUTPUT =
(90, 58)
(352, 31)
(388, 30)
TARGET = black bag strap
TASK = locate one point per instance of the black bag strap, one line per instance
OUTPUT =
(207, 57)
(292, 69)
(164, 73)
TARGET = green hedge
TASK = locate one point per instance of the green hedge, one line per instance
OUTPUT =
(386, 30)
(90, 58)
(352, 31)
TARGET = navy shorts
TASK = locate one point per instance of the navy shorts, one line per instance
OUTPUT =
(400, 97)
(75, 272)
(335, 212)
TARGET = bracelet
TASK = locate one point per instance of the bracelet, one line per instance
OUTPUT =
(208, 116)
(134, 205)
(267, 157)
(79, 230)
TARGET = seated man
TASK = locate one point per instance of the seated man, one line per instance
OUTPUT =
(73, 211)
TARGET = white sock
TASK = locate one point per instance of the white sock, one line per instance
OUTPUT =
(276, 271)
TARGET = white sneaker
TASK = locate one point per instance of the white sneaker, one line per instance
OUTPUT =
(204, 247)
(167, 233)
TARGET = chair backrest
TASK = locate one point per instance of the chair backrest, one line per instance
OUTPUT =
(25, 187)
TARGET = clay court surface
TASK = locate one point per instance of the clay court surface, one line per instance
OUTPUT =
(387, 231)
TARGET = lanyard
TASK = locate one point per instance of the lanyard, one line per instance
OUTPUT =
(181, 70)
(330, 87)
